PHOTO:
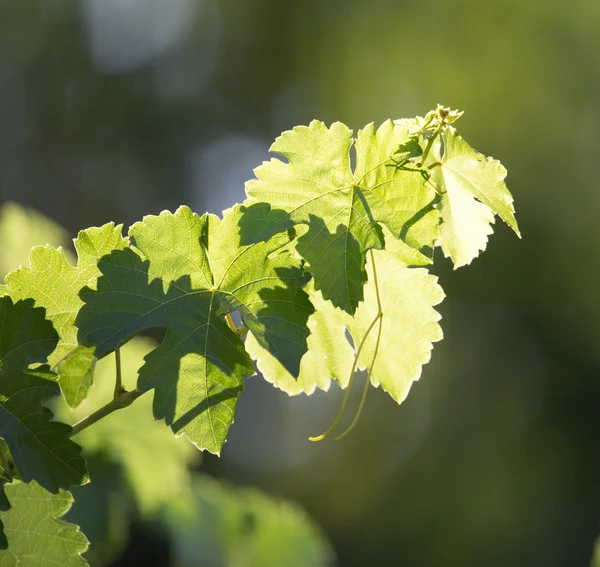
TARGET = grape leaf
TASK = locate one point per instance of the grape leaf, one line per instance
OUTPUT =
(36, 535)
(153, 462)
(41, 448)
(225, 525)
(184, 274)
(344, 209)
(6, 477)
(409, 326)
(329, 355)
(472, 191)
(55, 284)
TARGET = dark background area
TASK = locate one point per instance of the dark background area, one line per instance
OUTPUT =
(113, 109)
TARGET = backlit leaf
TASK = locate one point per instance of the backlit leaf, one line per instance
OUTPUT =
(37, 537)
(344, 209)
(40, 447)
(55, 284)
(409, 326)
(185, 274)
(472, 191)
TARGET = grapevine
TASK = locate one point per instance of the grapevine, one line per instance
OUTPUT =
(319, 253)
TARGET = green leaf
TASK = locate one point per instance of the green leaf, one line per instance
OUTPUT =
(6, 477)
(409, 326)
(153, 462)
(41, 447)
(329, 355)
(344, 209)
(224, 525)
(55, 284)
(184, 275)
(472, 190)
(103, 511)
(36, 535)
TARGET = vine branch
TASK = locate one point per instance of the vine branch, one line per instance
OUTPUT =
(121, 401)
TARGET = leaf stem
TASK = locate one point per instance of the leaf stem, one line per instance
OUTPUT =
(121, 401)
(119, 381)
(378, 317)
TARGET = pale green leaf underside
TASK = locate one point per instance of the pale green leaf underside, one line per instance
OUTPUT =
(472, 191)
(41, 447)
(37, 537)
(184, 274)
(55, 284)
(344, 209)
(409, 327)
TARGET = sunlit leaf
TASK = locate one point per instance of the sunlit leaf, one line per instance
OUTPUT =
(329, 355)
(185, 274)
(55, 284)
(472, 191)
(41, 447)
(37, 537)
(344, 209)
(409, 326)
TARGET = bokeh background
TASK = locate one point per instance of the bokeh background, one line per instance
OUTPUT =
(112, 109)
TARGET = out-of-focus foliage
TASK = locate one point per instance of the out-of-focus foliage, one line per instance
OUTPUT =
(224, 526)
(20, 230)
(596, 556)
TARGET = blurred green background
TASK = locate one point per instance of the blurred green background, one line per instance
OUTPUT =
(112, 109)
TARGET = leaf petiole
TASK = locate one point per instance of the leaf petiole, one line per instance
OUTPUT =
(121, 399)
